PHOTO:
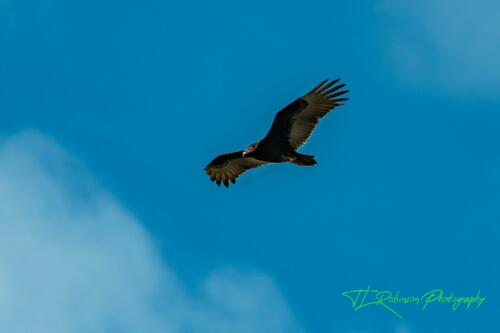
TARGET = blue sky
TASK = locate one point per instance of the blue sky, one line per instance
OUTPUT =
(113, 108)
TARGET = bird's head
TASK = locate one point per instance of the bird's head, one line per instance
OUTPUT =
(250, 148)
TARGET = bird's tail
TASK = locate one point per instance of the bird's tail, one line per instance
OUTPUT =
(303, 159)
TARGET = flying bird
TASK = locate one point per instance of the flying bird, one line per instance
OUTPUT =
(291, 128)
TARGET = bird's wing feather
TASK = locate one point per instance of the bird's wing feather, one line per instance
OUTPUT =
(226, 168)
(295, 123)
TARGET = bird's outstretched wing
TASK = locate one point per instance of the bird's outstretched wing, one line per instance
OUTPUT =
(226, 168)
(295, 123)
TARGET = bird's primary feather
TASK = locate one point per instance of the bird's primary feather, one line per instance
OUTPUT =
(296, 122)
(227, 168)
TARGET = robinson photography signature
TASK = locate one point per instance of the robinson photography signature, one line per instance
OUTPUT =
(362, 298)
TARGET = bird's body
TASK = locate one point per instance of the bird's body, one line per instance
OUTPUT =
(291, 128)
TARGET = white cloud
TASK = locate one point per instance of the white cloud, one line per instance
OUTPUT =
(73, 260)
(453, 45)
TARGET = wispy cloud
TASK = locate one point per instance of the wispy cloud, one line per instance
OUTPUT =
(447, 45)
(402, 328)
(72, 259)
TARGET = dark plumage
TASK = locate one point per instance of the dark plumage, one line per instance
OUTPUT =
(291, 128)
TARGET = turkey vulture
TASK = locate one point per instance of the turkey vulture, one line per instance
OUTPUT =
(291, 128)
